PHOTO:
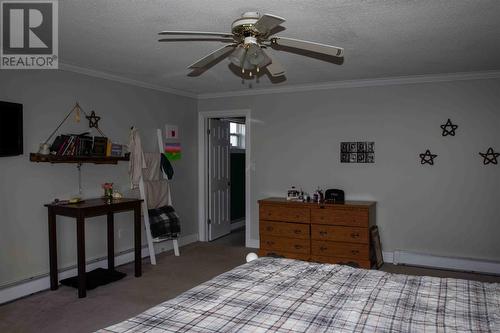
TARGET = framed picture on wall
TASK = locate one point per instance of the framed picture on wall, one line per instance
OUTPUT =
(357, 152)
(378, 258)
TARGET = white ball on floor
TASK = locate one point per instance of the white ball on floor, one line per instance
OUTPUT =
(251, 256)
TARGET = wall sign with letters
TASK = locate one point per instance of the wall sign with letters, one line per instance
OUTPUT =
(357, 152)
(29, 34)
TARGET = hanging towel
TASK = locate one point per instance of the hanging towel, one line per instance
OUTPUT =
(164, 222)
(166, 166)
(136, 163)
(152, 169)
(157, 193)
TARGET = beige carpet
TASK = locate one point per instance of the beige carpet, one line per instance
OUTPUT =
(62, 311)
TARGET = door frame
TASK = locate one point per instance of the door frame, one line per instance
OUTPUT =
(203, 117)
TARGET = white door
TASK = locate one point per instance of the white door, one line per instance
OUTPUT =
(219, 223)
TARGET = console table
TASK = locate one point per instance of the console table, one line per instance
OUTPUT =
(91, 208)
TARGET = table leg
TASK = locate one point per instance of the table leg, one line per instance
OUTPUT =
(111, 241)
(80, 245)
(137, 240)
(53, 250)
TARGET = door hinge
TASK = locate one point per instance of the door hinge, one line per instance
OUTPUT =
(209, 221)
(208, 131)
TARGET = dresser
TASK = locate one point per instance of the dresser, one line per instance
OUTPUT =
(327, 233)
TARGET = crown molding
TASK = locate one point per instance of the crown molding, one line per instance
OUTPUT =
(377, 82)
(397, 80)
(121, 79)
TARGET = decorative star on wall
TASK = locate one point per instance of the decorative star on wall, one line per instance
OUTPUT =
(427, 157)
(93, 120)
(490, 156)
(449, 128)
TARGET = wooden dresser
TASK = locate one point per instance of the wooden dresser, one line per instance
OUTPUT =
(329, 233)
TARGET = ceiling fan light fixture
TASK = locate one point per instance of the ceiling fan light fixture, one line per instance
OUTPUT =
(238, 56)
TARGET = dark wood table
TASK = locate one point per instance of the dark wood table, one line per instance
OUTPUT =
(91, 208)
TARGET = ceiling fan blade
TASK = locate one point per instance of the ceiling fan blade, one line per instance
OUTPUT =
(196, 39)
(275, 68)
(223, 51)
(308, 46)
(268, 22)
(196, 33)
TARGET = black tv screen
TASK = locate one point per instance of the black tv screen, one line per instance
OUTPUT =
(11, 129)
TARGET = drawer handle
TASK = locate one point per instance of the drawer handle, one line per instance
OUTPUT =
(269, 214)
(297, 216)
(269, 228)
(270, 243)
(297, 246)
(355, 252)
(297, 231)
(323, 248)
(323, 233)
(355, 235)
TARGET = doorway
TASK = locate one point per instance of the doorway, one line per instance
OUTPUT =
(224, 170)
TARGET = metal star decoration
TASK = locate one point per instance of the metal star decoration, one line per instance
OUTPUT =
(450, 131)
(93, 120)
(490, 156)
(427, 157)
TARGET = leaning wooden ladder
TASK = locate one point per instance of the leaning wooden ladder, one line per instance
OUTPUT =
(142, 191)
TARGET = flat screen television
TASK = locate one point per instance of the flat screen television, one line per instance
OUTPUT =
(11, 129)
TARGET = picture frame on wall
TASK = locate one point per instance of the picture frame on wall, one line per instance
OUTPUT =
(377, 255)
(357, 152)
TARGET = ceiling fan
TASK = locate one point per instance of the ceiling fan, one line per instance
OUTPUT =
(251, 34)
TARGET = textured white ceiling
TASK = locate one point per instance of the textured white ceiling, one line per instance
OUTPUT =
(382, 38)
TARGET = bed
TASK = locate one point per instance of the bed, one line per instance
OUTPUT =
(285, 295)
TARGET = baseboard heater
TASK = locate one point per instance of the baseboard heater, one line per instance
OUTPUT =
(453, 263)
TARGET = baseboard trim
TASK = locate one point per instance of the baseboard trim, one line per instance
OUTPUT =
(42, 282)
(253, 243)
(433, 261)
(237, 225)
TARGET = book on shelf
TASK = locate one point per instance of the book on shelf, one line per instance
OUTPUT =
(80, 145)
(116, 150)
(100, 146)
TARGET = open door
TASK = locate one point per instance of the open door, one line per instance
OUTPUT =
(219, 223)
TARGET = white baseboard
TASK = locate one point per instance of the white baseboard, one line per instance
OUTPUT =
(42, 282)
(432, 261)
(253, 243)
(237, 225)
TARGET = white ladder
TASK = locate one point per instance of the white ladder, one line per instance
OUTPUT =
(142, 191)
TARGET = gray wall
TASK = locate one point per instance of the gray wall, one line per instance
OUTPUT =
(449, 209)
(24, 186)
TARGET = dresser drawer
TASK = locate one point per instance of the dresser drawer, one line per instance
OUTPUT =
(341, 250)
(340, 234)
(284, 244)
(285, 229)
(342, 261)
(283, 213)
(340, 216)
(281, 254)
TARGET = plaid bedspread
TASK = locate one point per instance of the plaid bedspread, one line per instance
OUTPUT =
(284, 295)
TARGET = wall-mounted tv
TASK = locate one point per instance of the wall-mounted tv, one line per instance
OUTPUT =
(11, 129)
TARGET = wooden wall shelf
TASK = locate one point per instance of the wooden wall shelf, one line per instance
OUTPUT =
(34, 157)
